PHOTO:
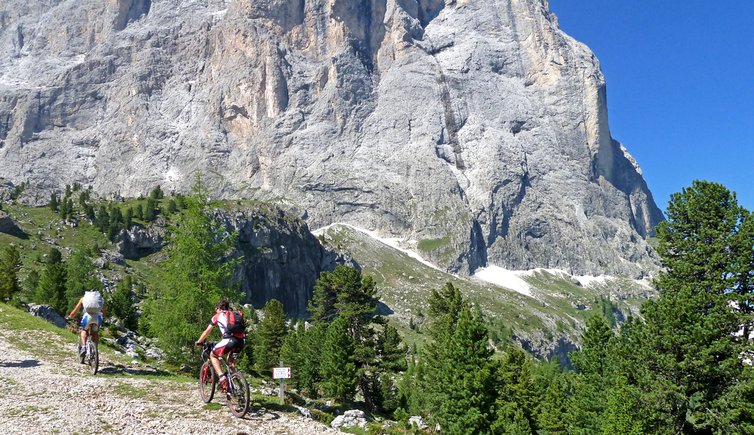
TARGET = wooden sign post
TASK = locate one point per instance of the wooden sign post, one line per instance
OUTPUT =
(281, 373)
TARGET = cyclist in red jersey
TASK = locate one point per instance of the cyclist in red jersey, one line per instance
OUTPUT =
(231, 341)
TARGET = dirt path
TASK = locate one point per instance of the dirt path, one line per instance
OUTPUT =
(53, 394)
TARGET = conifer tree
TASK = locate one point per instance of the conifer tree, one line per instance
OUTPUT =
(467, 378)
(128, 217)
(687, 354)
(269, 337)
(51, 289)
(122, 305)
(552, 409)
(102, 219)
(517, 399)
(591, 385)
(53, 202)
(10, 265)
(172, 207)
(344, 293)
(80, 276)
(391, 352)
(150, 211)
(197, 273)
(309, 372)
(30, 285)
(338, 368)
(291, 352)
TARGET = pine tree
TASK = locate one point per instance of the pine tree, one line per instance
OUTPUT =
(338, 368)
(156, 193)
(591, 385)
(517, 399)
(70, 211)
(467, 381)
(309, 372)
(269, 337)
(344, 293)
(391, 352)
(128, 217)
(30, 285)
(102, 219)
(172, 207)
(10, 265)
(291, 352)
(53, 202)
(552, 409)
(622, 415)
(150, 212)
(80, 276)
(197, 273)
(122, 305)
(686, 357)
(51, 289)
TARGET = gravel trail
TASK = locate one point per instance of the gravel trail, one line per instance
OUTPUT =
(46, 391)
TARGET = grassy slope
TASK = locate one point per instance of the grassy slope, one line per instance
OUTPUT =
(559, 308)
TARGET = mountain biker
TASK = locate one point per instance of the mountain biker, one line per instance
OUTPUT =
(94, 309)
(231, 341)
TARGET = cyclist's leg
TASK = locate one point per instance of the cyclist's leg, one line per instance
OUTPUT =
(218, 352)
(95, 328)
(238, 345)
(85, 319)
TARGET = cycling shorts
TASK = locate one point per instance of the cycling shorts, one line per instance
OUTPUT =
(89, 319)
(228, 345)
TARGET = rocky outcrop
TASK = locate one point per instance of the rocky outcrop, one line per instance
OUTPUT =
(7, 225)
(478, 129)
(282, 259)
(138, 241)
(47, 313)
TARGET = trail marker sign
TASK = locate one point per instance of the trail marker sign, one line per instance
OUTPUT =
(281, 373)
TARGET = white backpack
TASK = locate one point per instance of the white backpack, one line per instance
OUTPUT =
(93, 303)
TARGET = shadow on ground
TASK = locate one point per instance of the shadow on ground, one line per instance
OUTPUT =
(135, 371)
(22, 364)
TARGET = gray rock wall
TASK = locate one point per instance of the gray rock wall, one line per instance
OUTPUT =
(477, 127)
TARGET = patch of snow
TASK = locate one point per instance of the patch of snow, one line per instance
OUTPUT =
(510, 279)
(393, 242)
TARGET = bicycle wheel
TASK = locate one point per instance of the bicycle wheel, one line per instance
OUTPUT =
(207, 382)
(93, 354)
(238, 395)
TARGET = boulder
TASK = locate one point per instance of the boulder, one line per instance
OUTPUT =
(48, 313)
(350, 418)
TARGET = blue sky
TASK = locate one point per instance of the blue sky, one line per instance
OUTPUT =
(680, 86)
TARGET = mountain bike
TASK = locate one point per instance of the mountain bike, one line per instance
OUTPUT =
(237, 392)
(91, 350)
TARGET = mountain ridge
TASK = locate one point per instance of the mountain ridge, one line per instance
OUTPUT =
(480, 125)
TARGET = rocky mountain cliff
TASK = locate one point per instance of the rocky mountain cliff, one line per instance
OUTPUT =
(476, 128)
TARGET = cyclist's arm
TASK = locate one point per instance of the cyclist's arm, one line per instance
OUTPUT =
(205, 334)
(76, 308)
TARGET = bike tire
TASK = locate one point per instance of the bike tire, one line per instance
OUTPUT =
(207, 382)
(238, 395)
(94, 358)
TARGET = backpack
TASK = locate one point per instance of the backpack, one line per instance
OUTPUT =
(236, 323)
(93, 302)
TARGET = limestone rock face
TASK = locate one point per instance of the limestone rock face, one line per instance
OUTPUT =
(476, 128)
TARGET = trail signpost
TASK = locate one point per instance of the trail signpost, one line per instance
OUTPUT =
(281, 373)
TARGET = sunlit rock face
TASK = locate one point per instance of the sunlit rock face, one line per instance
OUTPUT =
(476, 128)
